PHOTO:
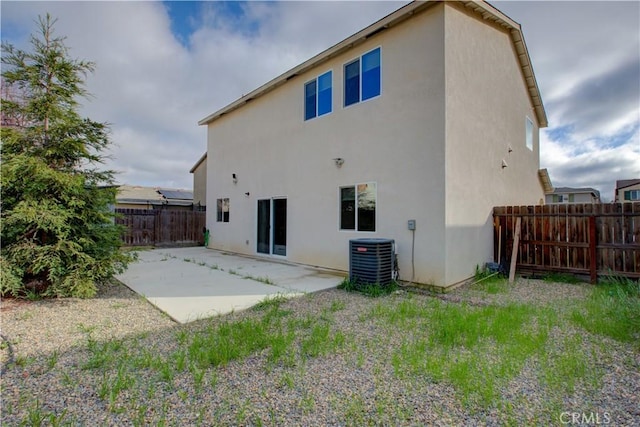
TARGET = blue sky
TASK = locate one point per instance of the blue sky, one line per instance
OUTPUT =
(162, 66)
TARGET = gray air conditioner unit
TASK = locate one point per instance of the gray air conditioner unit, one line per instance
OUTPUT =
(371, 261)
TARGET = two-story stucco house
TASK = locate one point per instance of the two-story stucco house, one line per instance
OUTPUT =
(430, 114)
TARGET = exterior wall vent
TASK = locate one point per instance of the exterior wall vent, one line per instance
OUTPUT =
(371, 261)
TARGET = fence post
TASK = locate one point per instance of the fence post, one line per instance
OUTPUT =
(593, 262)
(157, 226)
(514, 251)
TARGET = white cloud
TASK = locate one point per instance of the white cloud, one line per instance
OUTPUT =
(153, 87)
(596, 166)
(586, 57)
(142, 84)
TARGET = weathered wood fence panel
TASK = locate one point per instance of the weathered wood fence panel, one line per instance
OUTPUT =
(161, 227)
(589, 239)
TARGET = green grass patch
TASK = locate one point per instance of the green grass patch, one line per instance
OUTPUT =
(478, 350)
(491, 282)
(321, 341)
(369, 289)
(613, 310)
(282, 349)
(566, 365)
(555, 277)
(104, 355)
(337, 305)
(271, 302)
(37, 416)
(492, 287)
(220, 344)
(285, 339)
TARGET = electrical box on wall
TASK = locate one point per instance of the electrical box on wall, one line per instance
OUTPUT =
(411, 224)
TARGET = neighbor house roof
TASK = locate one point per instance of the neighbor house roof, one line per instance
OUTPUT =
(483, 9)
(168, 194)
(136, 194)
(623, 183)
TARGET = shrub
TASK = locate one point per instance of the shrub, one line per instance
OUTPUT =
(58, 233)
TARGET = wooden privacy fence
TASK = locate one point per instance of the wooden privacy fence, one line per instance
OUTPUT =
(161, 227)
(583, 239)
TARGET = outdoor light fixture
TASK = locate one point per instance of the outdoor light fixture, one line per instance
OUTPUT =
(504, 164)
(339, 161)
(235, 179)
(246, 194)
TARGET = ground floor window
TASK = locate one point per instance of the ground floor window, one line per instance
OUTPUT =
(222, 210)
(358, 207)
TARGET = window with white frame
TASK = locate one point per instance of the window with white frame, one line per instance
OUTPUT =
(318, 96)
(563, 198)
(362, 78)
(358, 207)
(632, 195)
(529, 133)
(222, 210)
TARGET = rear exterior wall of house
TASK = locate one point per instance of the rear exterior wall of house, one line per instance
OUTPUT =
(394, 140)
(426, 148)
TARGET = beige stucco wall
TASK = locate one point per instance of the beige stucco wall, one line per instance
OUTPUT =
(200, 184)
(486, 109)
(395, 140)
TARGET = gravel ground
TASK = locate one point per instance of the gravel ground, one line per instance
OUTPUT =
(49, 381)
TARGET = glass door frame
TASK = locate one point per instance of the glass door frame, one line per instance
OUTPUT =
(265, 243)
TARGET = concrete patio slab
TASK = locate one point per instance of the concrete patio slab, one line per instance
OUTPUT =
(195, 283)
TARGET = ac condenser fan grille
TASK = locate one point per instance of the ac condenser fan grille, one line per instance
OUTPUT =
(371, 261)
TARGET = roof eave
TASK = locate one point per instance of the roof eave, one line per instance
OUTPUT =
(200, 160)
(545, 180)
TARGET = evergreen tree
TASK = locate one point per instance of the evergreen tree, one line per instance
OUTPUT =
(58, 233)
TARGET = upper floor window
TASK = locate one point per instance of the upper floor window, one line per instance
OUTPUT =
(632, 195)
(362, 78)
(317, 96)
(529, 133)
